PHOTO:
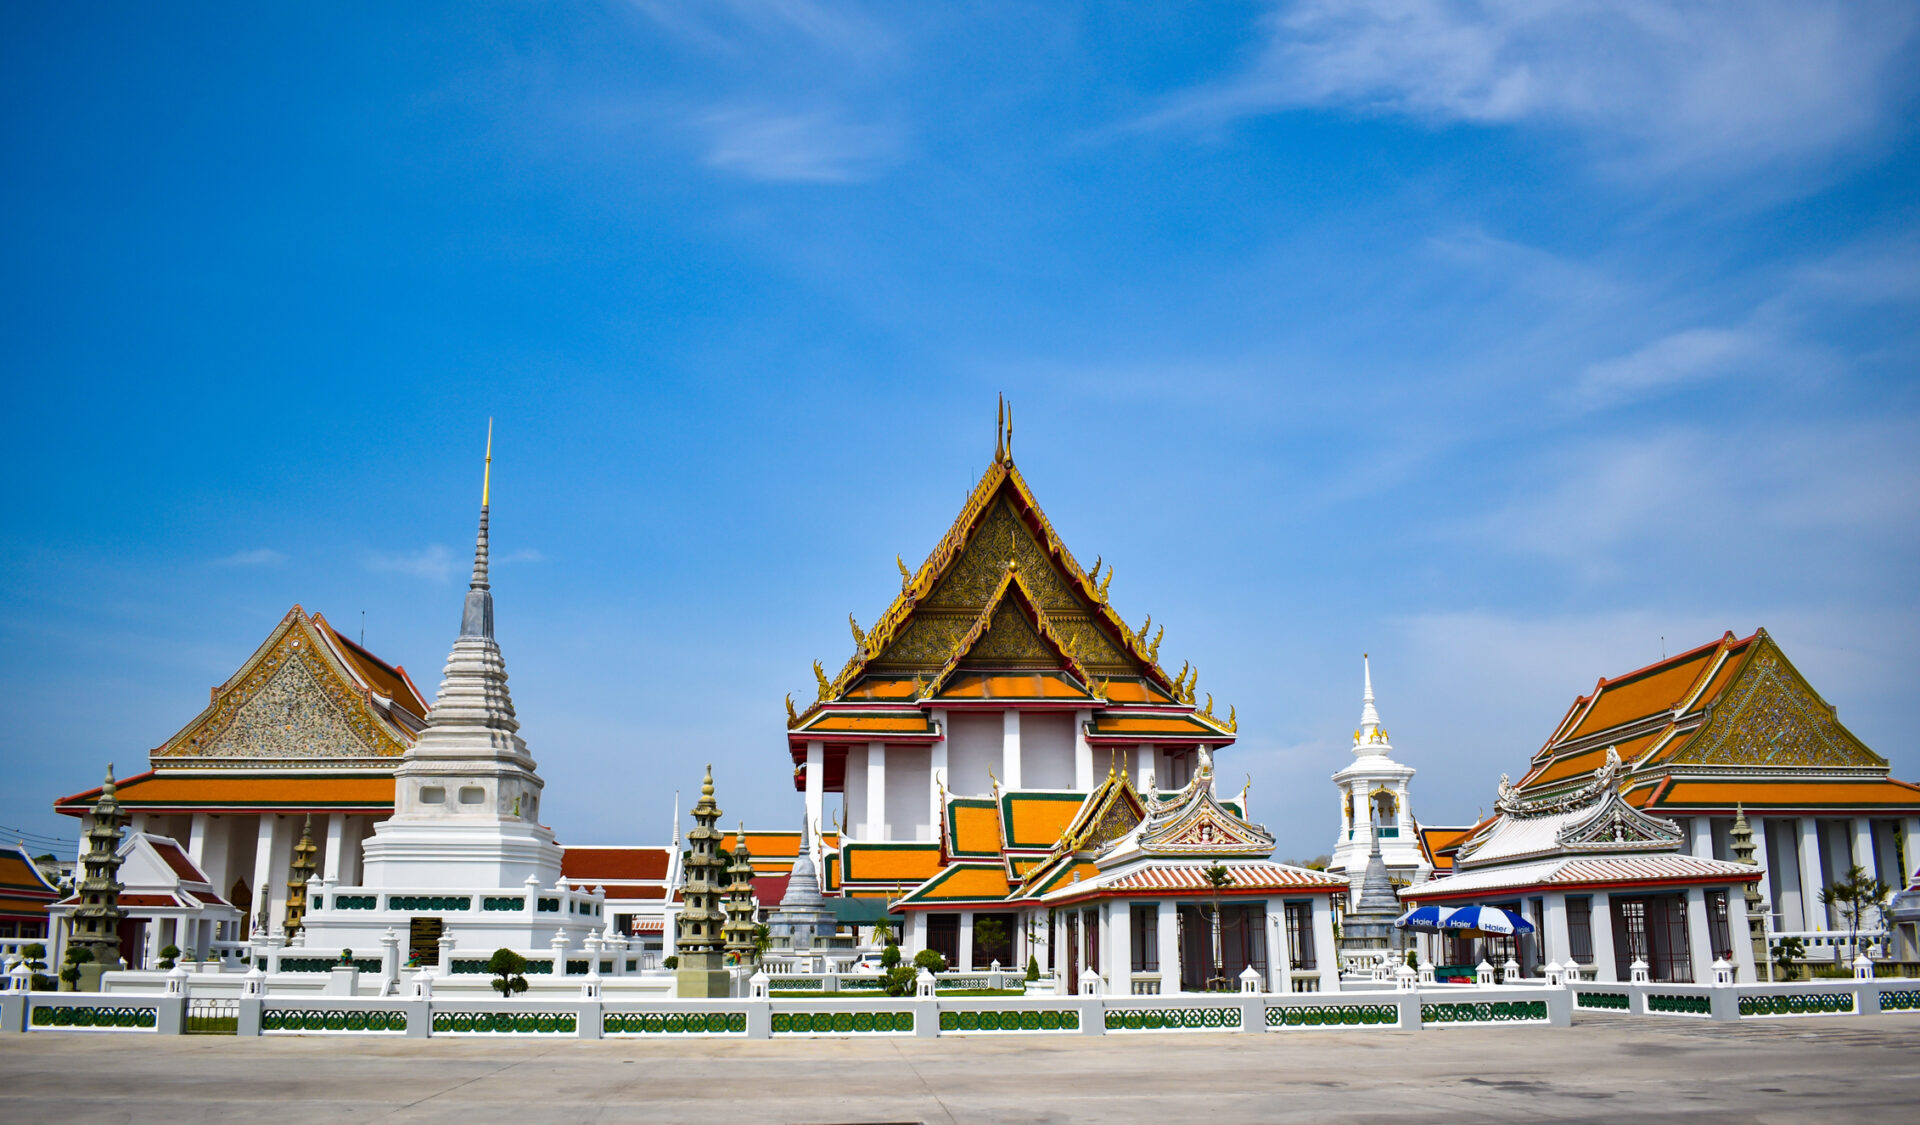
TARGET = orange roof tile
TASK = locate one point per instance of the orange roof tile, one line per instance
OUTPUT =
(281, 793)
(592, 863)
(908, 864)
(974, 827)
(1649, 691)
(962, 882)
(1036, 820)
(1880, 794)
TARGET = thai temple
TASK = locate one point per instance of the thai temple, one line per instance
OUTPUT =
(1021, 783)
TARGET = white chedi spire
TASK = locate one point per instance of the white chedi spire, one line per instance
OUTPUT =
(1370, 739)
(466, 795)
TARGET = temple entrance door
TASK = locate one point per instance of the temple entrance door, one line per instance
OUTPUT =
(1196, 947)
(133, 942)
(1073, 953)
(242, 896)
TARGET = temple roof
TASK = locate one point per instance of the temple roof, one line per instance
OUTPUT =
(306, 694)
(191, 791)
(25, 890)
(1730, 722)
(1002, 611)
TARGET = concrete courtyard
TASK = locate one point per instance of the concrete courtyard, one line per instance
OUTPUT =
(1612, 1069)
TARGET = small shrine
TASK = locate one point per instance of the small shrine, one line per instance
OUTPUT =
(701, 940)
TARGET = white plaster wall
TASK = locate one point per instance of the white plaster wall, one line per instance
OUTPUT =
(974, 739)
(909, 772)
(856, 794)
(1046, 750)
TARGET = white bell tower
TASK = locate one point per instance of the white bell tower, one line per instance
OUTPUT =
(1374, 802)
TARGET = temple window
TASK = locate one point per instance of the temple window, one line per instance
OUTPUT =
(1145, 921)
(1300, 936)
(433, 795)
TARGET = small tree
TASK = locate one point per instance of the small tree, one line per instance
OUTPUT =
(36, 958)
(1217, 878)
(882, 932)
(762, 940)
(1413, 959)
(1853, 896)
(167, 954)
(930, 961)
(890, 956)
(670, 962)
(76, 957)
(1787, 952)
(507, 967)
(1033, 967)
(989, 934)
(898, 980)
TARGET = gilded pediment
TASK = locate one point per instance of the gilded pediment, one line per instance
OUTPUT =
(1770, 717)
(291, 700)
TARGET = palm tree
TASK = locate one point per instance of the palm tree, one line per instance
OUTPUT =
(1217, 878)
(1853, 896)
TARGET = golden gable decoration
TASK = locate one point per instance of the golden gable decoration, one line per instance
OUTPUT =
(1771, 717)
(291, 700)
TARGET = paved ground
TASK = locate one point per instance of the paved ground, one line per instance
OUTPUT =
(1612, 1069)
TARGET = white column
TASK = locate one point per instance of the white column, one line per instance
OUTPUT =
(1278, 953)
(1863, 848)
(1759, 826)
(1812, 876)
(1911, 828)
(1120, 948)
(816, 787)
(1600, 921)
(1326, 951)
(965, 963)
(1082, 752)
(1143, 766)
(1167, 937)
(262, 870)
(877, 792)
(1703, 837)
(1700, 935)
(1559, 942)
(137, 822)
(197, 842)
(936, 783)
(1009, 749)
(1742, 938)
(336, 845)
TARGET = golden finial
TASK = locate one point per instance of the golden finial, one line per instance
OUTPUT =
(1153, 650)
(906, 579)
(1104, 583)
(1093, 576)
(486, 476)
(1000, 433)
(706, 787)
(859, 638)
(1208, 709)
(820, 675)
(1009, 432)
(1233, 720)
(1141, 633)
(793, 718)
(995, 782)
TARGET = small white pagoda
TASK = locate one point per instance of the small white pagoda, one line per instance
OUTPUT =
(1374, 804)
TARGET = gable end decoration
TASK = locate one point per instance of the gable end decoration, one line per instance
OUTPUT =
(1770, 717)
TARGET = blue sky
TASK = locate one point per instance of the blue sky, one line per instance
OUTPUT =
(1498, 340)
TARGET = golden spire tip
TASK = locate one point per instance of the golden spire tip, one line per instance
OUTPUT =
(486, 476)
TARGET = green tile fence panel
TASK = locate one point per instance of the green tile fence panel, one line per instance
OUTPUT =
(1906, 1001)
(429, 902)
(495, 902)
(1330, 1015)
(506, 1023)
(797, 984)
(328, 964)
(840, 1023)
(674, 1023)
(294, 1019)
(1172, 1019)
(1498, 1011)
(1797, 1004)
(1602, 1001)
(1679, 1005)
(355, 902)
(576, 968)
(1011, 1019)
(103, 1018)
(549, 905)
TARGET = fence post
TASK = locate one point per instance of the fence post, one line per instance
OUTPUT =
(760, 1020)
(1093, 1015)
(1409, 1004)
(13, 1010)
(1866, 997)
(247, 1016)
(171, 1018)
(589, 1022)
(419, 1018)
(926, 1016)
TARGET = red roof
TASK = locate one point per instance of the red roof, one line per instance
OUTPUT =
(178, 860)
(770, 889)
(596, 863)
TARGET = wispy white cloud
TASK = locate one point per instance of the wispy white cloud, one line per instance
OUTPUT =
(732, 27)
(524, 554)
(259, 556)
(1665, 84)
(818, 146)
(433, 563)
(1691, 356)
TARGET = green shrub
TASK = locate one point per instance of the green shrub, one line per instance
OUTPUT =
(670, 962)
(1033, 967)
(930, 961)
(898, 980)
(507, 967)
(890, 956)
(167, 955)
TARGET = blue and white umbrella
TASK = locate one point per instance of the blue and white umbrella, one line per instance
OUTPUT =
(1482, 920)
(1424, 919)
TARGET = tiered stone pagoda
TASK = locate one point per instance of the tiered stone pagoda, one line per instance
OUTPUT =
(96, 920)
(701, 941)
(741, 906)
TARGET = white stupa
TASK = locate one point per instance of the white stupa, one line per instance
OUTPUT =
(1374, 804)
(466, 799)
